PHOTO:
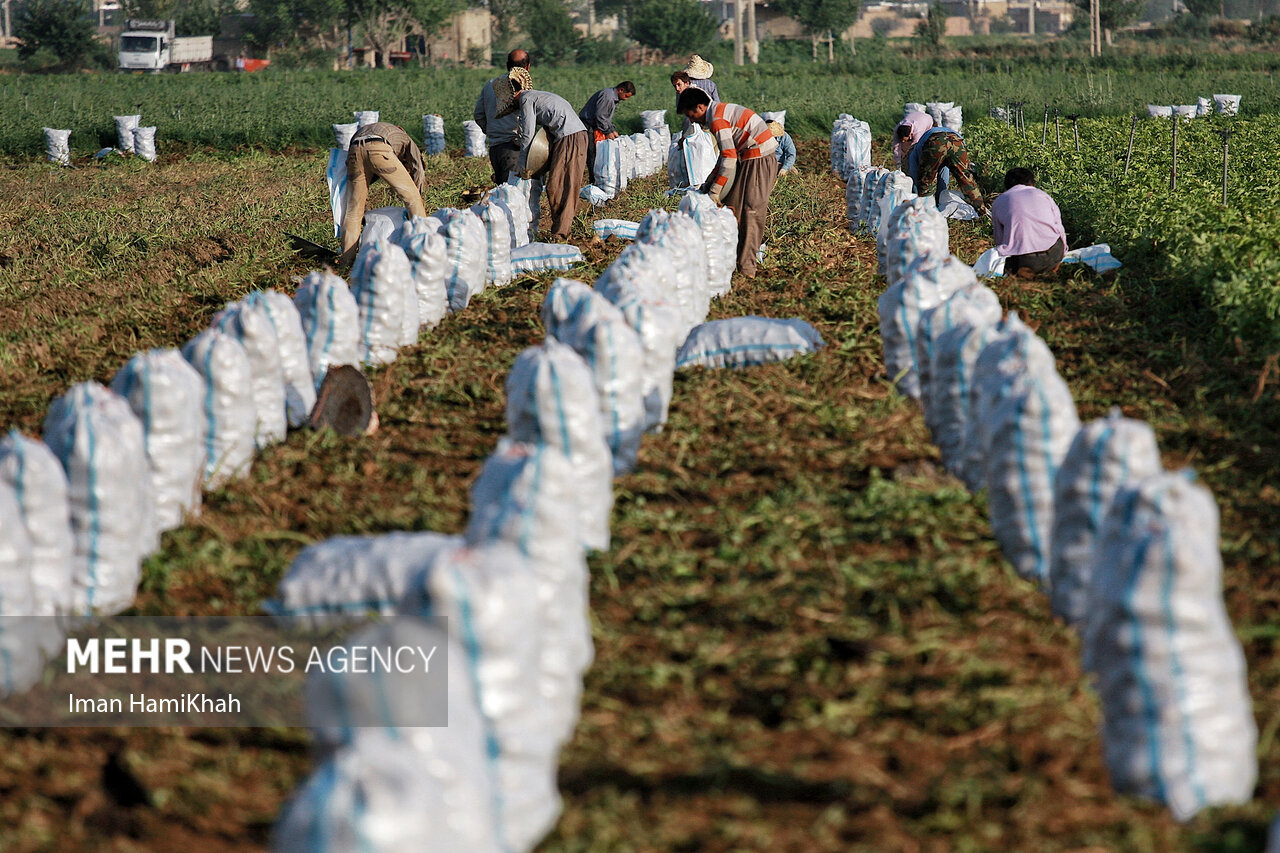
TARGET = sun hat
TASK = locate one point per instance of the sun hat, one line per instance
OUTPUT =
(521, 79)
(776, 129)
(698, 68)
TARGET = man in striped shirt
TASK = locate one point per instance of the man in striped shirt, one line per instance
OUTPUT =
(745, 174)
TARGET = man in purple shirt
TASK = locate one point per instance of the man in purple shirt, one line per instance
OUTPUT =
(1026, 226)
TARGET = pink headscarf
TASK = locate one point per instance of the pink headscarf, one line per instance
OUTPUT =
(920, 124)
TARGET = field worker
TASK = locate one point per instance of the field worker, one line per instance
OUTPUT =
(495, 112)
(786, 152)
(597, 115)
(567, 160)
(699, 72)
(379, 150)
(1026, 226)
(746, 167)
(681, 80)
(925, 151)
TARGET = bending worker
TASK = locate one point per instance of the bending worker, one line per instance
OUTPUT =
(495, 112)
(926, 151)
(568, 156)
(379, 150)
(1026, 226)
(746, 171)
(597, 115)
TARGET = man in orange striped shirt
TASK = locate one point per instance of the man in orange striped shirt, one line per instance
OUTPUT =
(745, 174)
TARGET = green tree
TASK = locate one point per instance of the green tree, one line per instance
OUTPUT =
(821, 17)
(61, 31)
(552, 36)
(1113, 14)
(385, 23)
(671, 26)
(312, 23)
(931, 30)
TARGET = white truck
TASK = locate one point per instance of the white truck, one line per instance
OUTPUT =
(150, 45)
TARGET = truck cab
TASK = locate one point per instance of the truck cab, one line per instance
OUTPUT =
(145, 45)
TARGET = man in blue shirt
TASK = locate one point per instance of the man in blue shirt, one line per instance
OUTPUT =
(786, 152)
(597, 115)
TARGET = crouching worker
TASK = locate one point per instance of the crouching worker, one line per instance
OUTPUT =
(1026, 226)
(746, 171)
(924, 152)
(567, 159)
(379, 150)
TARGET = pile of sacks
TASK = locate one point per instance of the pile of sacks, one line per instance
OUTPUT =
(1127, 552)
(621, 160)
(944, 113)
(1223, 105)
(577, 406)
(131, 139)
(850, 146)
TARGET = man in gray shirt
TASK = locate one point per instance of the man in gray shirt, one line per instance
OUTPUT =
(567, 136)
(597, 115)
(497, 117)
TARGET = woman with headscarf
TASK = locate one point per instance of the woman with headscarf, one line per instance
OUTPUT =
(924, 152)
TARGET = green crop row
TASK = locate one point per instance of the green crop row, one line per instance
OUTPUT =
(278, 108)
(1224, 256)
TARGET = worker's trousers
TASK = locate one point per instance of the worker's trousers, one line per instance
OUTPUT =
(565, 169)
(366, 162)
(749, 200)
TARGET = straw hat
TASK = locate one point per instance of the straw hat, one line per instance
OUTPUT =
(776, 129)
(698, 68)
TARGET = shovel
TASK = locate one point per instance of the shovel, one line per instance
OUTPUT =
(309, 250)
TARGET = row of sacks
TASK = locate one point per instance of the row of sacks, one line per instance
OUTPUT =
(850, 146)
(946, 114)
(1223, 105)
(619, 161)
(433, 141)
(577, 405)
(131, 139)
(1127, 552)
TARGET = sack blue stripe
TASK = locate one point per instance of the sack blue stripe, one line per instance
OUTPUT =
(472, 645)
(1137, 658)
(210, 402)
(761, 348)
(95, 522)
(322, 809)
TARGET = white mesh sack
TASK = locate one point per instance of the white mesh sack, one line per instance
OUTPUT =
(167, 395)
(57, 146)
(342, 134)
(623, 229)
(551, 397)
(531, 190)
(144, 143)
(876, 196)
(427, 251)
(335, 175)
(747, 341)
(465, 247)
(1107, 454)
(330, 320)
(99, 443)
(930, 280)
(345, 579)
(545, 257)
(21, 659)
(576, 315)
(1204, 107)
(366, 117)
(475, 143)
(913, 107)
(914, 228)
(1030, 431)
(640, 283)
(524, 496)
(951, 385)
(497, 228)
(975, 305)
(896, 190)
(608, 167)
(124, 132)
(433, 135)
(780, 116)
(680, 233)
(516, 203)
(867, 207)
(230, 419)
(382, 223)
(656, 119)
(1227, 105)
(857, 147)
(853, 196)
(251, 325)
(29, 468)
(482, 596)
(1178, 721)
(720, 236)
(379, 795)
(946, 114)
(299, 385)
(383, 287)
